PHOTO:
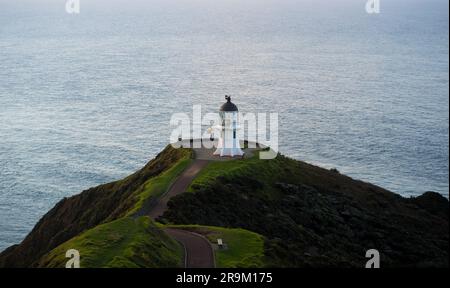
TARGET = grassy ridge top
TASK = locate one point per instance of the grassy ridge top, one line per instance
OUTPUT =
(265, 173)
(138, 243)
(129, 242)
(97, 205)
(126, 242)
(301, 215)
(317, 217)
(156, 186)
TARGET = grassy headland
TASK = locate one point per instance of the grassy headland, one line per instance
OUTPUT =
(280, 212)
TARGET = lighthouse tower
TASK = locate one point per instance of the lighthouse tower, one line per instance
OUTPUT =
(228, 144)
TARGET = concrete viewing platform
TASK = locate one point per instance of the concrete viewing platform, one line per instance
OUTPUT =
(208, 147)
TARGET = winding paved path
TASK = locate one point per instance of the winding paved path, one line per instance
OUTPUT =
(198, 250)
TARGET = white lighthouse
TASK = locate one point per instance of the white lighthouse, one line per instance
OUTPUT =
(228, 144)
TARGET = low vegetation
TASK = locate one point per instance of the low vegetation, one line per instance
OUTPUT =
(283, 213)
(126, 242)
(315, 217)
(102, 204)
(242, 248)
(155, 187)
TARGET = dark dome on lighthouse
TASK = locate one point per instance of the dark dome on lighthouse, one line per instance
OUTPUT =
(228, 106)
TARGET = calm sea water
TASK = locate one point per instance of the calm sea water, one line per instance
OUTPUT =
(86, 99)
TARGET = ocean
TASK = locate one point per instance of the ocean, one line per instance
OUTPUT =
(86, 98)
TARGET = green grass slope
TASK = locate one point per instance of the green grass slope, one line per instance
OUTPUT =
(126, 242)
(97, 205)
(300, 215)
(312, 216)
(155, 187)
(243, 248)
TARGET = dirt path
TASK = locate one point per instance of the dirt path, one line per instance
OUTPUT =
(179, 186)
(198, 250)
